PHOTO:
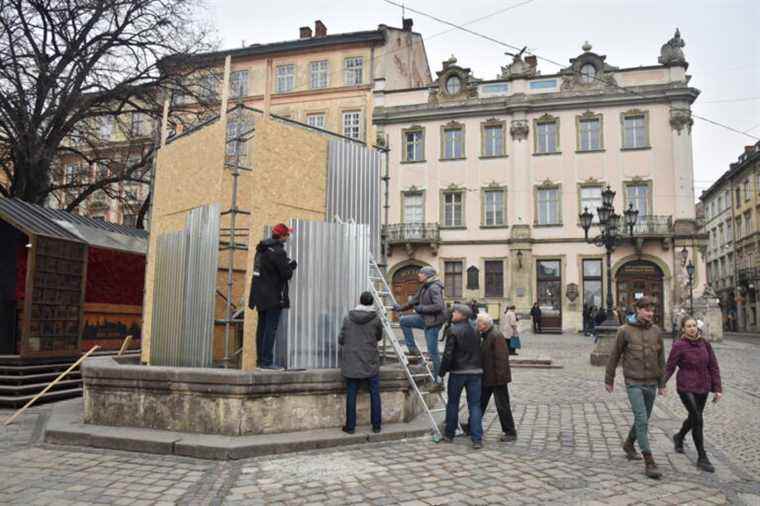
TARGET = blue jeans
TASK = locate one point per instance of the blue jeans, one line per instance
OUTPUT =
(642, 399)
(415, 321)
(266, 330)
(352, 387)
(457, 382)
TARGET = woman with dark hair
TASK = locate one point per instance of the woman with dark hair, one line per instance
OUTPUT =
(698, 375)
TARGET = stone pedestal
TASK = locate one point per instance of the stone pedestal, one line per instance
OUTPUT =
(707, 309)
(606, 333)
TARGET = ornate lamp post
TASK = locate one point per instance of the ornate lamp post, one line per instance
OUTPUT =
(609, 238)
(690, 271)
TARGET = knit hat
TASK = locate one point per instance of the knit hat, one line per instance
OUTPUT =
(428, 271)
(462, 309)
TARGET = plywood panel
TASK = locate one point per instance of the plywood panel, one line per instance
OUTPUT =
(289, 180)
(189, 173)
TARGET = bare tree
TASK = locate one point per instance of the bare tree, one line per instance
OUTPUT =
(70, 70)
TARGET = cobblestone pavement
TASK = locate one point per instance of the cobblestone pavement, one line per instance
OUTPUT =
(568, 452)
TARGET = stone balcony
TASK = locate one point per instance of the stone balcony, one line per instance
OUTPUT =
(412, 235)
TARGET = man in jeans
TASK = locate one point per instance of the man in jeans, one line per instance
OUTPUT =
(462, 360)
(640, 345)
(431, 315)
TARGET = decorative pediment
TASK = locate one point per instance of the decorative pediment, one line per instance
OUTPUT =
(493, 185)
(414, 189)
(548, 183)
(453, 124)
(588, 115)
(634, 112)
(588, 70)
(591, 181)
(454, 187)
(493, 122)
(546, 118)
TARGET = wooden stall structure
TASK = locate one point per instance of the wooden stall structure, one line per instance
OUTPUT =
(67, 283)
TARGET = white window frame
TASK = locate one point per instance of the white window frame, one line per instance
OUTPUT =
(285, 78)
(638, 131)
(453, 143)
(316, 119)
(352, 124)
(353, 71)
(548, 206)
(590, 138)
(453, 208)
(545, 132)
(414, 139)
(413, 207)
(592, 202)
(238, 83)
(319, 75)
(493, 208)
(493, 145)
(634, 197)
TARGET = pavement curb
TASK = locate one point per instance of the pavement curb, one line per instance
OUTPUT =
(66, 427)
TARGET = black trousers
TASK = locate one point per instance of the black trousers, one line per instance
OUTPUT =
(695, 405)
(536, 325)
(501, 397)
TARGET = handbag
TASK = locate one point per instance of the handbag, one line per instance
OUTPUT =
(514, 342)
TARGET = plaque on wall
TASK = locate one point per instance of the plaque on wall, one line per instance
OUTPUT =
(520, 292)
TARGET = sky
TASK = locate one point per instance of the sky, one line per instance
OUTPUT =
(722, 45)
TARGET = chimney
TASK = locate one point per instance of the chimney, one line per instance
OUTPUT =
(748, 150)
(304, 32)
(407, 24)
(320, 30)
(531, 60)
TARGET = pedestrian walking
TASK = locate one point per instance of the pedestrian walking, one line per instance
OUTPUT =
(462, 361)
(639, 344)
(509, 330)
(698, 375)
(431, 314)
(475, 310)
(272, 269)
(360, 359)
(535, 313)
(586, 319)
(496, 374)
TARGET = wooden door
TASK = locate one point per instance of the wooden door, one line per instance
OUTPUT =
(639, 278)
(405, 284)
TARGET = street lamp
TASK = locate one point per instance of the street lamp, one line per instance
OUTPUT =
(684, 255)
(690, 271)
(610, 237)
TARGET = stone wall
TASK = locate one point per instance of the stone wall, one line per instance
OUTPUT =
(232, 402)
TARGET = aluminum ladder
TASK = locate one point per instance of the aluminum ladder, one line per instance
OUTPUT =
(384, 300)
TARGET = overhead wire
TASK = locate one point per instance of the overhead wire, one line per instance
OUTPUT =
(553, 62)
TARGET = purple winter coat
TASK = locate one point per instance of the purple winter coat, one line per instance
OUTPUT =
(698, 370)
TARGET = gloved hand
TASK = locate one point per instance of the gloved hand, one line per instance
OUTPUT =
(396, 308)
(293, 264)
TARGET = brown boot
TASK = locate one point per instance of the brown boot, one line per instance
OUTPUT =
(650, 468)
(630, 451)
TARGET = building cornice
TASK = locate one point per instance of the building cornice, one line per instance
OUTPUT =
(533, 103)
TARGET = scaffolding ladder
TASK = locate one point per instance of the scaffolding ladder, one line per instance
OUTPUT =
(384, 300)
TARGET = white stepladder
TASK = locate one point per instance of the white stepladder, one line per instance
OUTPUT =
(384, 300)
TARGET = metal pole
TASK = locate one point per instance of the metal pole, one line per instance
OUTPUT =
(691, 296)
(609, 282)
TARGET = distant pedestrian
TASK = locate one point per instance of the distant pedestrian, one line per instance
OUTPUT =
(586, 314)
(360, 359)
(535, 313)
(639, 344)
(272, 269)
(431, 314)
(698, 375)
(496, 374)
(462, 360)
(475, 310)
(509, 329)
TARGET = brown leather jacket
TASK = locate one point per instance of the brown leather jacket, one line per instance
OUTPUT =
(643, 352)
(495, 357)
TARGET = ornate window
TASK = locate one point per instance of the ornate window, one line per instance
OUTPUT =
(452, 141)
(414, 144)
(494, 200)
(413, 210)
(493, 138)
(452, 208)
(453, 85)
(588, 73)
(639, 193)
(546, 132)
(548, 205)
(589, 130)
(635, 129)
(590, 197)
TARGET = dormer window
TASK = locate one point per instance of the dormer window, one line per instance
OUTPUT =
(588, 73)
(453, 85)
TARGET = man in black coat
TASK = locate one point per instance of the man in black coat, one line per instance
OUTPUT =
(360, 359)
(535, 313)
(462, 360)
(272, 269)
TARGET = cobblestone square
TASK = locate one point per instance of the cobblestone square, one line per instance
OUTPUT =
(568, 452)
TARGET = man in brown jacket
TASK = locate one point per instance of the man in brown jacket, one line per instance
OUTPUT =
(496, 374)
(640, 345)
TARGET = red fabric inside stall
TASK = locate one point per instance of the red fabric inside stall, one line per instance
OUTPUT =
(115, 277)
(21, 254)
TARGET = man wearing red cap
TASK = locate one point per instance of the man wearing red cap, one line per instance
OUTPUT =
(272, 269)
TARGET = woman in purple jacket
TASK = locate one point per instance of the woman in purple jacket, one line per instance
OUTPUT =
(698, 375)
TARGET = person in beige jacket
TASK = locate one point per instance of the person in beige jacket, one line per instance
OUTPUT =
(509, 327)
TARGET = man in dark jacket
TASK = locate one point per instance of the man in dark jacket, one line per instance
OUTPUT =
(272, 269)
(639, 344)
(431, 315)
(496, 374)
(535, 313)
(360, 360)
(461, 359)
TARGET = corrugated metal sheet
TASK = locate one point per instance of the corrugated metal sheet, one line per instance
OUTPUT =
(184, 292)
(333, 266)
(29, 219)
(353, 186)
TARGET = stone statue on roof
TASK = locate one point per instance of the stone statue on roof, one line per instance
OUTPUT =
(671, 52)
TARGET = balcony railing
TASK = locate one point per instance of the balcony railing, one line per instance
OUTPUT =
(651, 224)
(749, 274)
(412, 232)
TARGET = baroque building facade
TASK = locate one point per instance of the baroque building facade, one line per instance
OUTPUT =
(732, 216)
(488, 178)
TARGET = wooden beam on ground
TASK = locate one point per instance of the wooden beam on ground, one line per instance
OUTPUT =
(124, 345)
(51, 385)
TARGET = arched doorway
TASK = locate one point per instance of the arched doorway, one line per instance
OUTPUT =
(638, 278)
(404, 284)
